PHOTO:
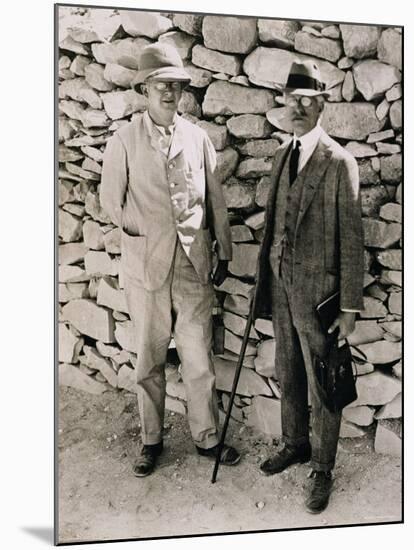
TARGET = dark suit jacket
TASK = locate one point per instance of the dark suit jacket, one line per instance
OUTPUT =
(328, 243)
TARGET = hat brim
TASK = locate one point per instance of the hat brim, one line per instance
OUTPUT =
(167, 74)
(307, 92)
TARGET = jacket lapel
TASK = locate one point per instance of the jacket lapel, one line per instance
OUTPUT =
(280, 158)
(279, 161)
(316, 167)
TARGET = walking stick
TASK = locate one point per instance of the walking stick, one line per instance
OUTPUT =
(233, 391)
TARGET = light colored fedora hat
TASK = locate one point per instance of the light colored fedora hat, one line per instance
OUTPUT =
(160, 62)
(305, 79)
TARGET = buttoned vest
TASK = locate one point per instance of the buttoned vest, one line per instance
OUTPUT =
(288, 201)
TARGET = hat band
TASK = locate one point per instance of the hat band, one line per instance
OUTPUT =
(304, 81)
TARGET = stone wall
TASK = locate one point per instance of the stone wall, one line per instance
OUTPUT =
(236, 65)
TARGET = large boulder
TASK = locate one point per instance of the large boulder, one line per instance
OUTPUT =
(189, 23)
(265, 415)
(379, 234)
(70, 227)
(144, 23)
(70, 344)
(391, 168)
(238, 195)
(249, 126)
(360, 41)
(373, 78)
(123, 52)
(264, 361)
(121, 104)
(216, 132)
(254, 168)
(90, 319)
(277, 32)
(71, 253)
(387, 442)
(376, 389)
(181, 41)
(111, 296)
(223, 98)
(244, 260)
(390, 48)
(250, 383)
(229, 34)
(226, 164)
(215, 61)
(365, 332)
(269, 67)
(69, 375)
(318, 46)
(235, 286)
(390, 258)
(382, 352)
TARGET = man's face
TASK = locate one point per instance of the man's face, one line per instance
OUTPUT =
(303, 112)
(163, 97)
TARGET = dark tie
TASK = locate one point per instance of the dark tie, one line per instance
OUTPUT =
(293, 162)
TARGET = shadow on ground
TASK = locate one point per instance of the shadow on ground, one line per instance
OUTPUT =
(100, 499)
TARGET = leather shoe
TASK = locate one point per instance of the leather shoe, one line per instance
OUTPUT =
(286, 457)
(318, 498)
(147, 459)
(229, 455)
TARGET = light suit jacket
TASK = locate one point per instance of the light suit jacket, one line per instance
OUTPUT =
(153, 198)
(328, 249)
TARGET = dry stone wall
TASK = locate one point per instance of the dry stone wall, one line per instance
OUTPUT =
(237, 66)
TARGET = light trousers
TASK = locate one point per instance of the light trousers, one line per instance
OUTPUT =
(182, 309)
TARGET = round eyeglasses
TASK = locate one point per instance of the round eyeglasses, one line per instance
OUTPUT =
(304, 100)
(162, 86)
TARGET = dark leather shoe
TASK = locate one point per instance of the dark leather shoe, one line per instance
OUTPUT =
(318, 498)
(229, 455)
(147, 459)
(286, 457)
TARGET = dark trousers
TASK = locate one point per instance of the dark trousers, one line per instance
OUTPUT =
(295, 350)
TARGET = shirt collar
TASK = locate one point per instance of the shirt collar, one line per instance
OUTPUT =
(310, 139)
(150, 124)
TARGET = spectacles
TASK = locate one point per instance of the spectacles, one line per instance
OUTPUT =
(161, 86)
(304, 100)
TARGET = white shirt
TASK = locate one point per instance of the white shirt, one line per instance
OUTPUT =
(161, 134)
(308, 143)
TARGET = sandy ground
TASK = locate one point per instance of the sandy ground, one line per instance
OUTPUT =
(100, 499)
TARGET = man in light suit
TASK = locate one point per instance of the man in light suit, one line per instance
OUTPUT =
(312, 247)
(158, 186)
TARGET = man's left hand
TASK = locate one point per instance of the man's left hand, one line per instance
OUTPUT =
(221, 272)
(346, 323)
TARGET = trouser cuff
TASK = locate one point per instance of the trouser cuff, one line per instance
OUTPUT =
(207, 442)
(151, 439)
(297, 441)
(322, 467)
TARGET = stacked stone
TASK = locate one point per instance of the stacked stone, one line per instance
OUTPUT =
(237, 67)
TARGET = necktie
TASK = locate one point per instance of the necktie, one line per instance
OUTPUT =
(293, 162)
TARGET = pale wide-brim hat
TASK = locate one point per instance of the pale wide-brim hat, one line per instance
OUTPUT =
(305, 79)
(160, 62)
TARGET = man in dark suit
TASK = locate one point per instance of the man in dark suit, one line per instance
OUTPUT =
(312, 247)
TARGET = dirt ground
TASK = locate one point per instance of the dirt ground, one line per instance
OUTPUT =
(100, 499)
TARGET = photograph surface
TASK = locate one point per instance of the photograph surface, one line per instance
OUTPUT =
(229, 274)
